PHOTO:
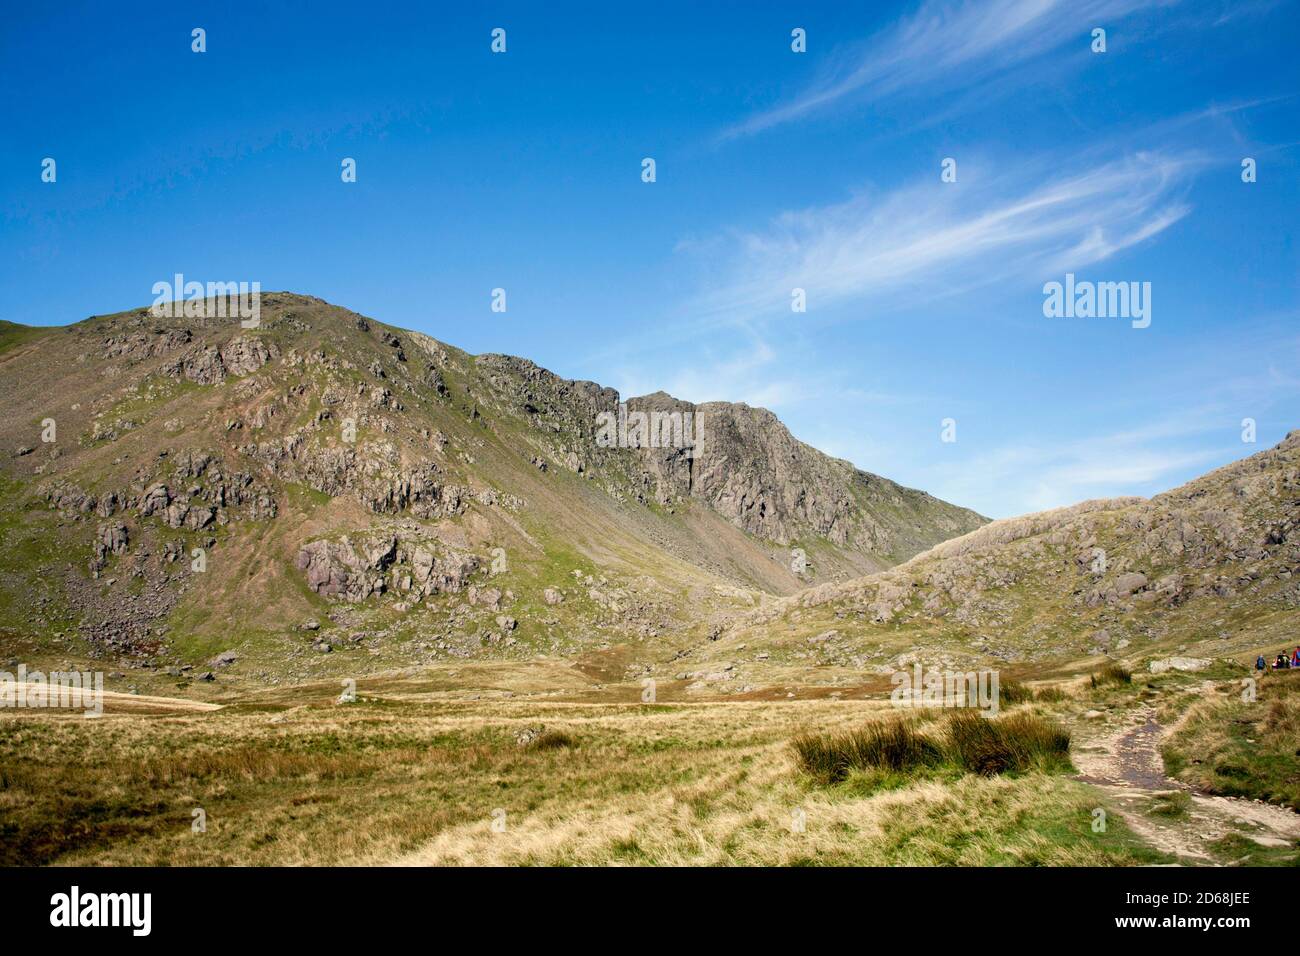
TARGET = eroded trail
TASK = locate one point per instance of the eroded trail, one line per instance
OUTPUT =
(1125, 762)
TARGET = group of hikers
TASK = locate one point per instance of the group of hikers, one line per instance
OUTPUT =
(1282, 663)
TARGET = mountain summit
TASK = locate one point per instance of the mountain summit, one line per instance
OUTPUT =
(183, 487)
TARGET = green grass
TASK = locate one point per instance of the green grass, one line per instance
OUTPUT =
(1234, 849)
(1243, 748)
(30, 539)
(12, 334)
(1173, 805)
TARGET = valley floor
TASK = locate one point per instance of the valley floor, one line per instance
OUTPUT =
(406, 776)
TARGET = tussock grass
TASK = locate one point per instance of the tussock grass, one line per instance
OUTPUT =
(1174, 805)
(1013, 744)
(1112, 673)
(1016, 743)
(552, 740)
(1012, 692)
(890, 745)
(1050, 695)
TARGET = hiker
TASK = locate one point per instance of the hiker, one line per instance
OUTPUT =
(1295, 657)
(1260, 663)
(1281, 663)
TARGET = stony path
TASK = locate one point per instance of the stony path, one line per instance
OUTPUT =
(1125, 762)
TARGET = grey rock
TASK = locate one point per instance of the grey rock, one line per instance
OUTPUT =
(1129, 582)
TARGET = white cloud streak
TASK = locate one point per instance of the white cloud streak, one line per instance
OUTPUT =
(931, 239)
(946, 45)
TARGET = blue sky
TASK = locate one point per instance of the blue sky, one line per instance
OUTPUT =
(775, 169)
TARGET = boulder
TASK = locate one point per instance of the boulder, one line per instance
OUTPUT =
(1129, 582)
(1179, 664)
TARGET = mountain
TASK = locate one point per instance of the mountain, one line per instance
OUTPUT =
(325, 493)
(1210, 569)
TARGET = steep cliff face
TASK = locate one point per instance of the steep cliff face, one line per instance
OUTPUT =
(740, 462)
(228, 482)
(751, 470)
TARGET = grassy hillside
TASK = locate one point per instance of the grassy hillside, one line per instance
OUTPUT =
(1205, 571)
(140, 445)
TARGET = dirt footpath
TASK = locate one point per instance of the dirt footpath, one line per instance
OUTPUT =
(1125, 762)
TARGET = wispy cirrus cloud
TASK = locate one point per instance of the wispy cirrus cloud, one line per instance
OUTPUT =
(929, 239)
(1047, 474)
(945, 45)
(1186, 420)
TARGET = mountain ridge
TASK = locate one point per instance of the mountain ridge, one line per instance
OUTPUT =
(1206, 570)
(409, 499)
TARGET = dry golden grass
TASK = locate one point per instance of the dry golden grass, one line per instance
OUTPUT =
(419, 782)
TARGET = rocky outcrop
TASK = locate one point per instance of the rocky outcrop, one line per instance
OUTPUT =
(111, 538)
(750, 469)
(197, 492)
(212, 365)
(144, 344)
(1179, 664)
(360, 566)
(342, 569)
(374, 474)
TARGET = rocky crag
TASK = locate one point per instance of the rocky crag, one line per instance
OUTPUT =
(180, 486)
